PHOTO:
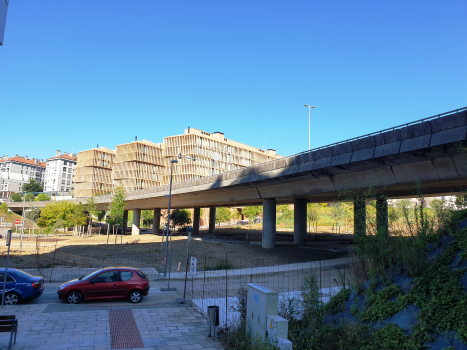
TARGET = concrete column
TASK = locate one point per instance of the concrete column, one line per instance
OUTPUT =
(156, 221)
(382, 222)
(359, 217)
(125, 221)
(299, 236)
(212, 219)
(269, 223)
(136, 220)
(196, 215)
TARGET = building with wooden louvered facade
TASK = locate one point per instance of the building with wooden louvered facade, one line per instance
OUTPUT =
(144, 164)
(213, 152)
(138, 165)
(93, 172)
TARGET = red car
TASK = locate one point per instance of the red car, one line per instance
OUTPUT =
(106, 284)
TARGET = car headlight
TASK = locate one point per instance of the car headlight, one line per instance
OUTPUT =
(61, 288)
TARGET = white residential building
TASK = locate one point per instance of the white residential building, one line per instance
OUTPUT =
(59, 173)
(16, 171)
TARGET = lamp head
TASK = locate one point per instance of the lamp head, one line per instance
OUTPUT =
(174, 161)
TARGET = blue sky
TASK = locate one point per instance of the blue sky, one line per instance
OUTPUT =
(74, 74)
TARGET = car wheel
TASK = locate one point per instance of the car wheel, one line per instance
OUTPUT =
(135, 296)
(12, 299)
(74, 297)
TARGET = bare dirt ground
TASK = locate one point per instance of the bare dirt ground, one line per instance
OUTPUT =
(147, 250)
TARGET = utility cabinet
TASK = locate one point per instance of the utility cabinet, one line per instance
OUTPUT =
(261, 302)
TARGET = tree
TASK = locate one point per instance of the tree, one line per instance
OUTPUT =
(312, 213)
(33, 214)
(16, 197)
(91, 208)
(100, 214)
(223, 214)
(42, 197)
(65, 213)
(252, 212)
(117, 207)
(180, 217)
(146, 216)
(29, 197)
(33, 186)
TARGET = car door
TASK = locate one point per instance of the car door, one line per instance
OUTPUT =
(125, 284)
(103, 286)
(10, 283)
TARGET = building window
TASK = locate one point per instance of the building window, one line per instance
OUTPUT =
(64, 169)
(64, 163)
(63, 182)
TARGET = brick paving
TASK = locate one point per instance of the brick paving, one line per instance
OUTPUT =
(164, 326)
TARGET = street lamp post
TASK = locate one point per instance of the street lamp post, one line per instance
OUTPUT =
(168, 218)
(309, 123)
(168, 221)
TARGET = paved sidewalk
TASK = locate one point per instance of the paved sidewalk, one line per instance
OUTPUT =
(162, 325)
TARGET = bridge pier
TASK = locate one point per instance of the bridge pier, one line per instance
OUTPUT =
(212, 219)
(125, 221)
(299, 236)
(359, 217)
(196, 215)
(269, 223)
(156, 221)
(136, 220)
(382, 222)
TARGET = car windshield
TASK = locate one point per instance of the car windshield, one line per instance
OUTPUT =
(21, 274)
(91, 275)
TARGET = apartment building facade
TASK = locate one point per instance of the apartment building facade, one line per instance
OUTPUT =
(59, 173)
(16, 171)
(93, 172)
(138, 165)
(144, 164)
(214, 154)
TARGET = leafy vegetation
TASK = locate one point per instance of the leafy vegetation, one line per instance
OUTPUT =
(42, 197)
(61, 214)
(180, 217)
(33, 186)
(223, 214)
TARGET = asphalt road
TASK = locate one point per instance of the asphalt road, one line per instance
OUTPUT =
(155, 296)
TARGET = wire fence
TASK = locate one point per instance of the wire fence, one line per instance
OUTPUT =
(223, 282)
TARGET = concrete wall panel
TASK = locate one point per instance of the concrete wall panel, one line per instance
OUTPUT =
(415, 143)
(387, 149)
(446, 168)
(291, 170)
(342, 148)
(306, 167)
(362, 154)
(450, 121)
(341, 159)
(407, 173)
(366, 142)
(322, 163)
(318, 185)
(323, 153)
(388, 137)
(460, 161)
(416, 130)
(369, 178)
(449, 136)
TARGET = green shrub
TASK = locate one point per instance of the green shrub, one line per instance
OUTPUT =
(337, 302)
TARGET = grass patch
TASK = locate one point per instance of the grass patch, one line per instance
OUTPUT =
(223, 265)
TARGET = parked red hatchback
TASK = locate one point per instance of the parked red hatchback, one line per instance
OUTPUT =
(106, 284)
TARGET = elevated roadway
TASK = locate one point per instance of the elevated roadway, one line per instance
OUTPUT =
(431, 150)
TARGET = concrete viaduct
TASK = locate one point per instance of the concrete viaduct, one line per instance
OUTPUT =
(432, 150)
